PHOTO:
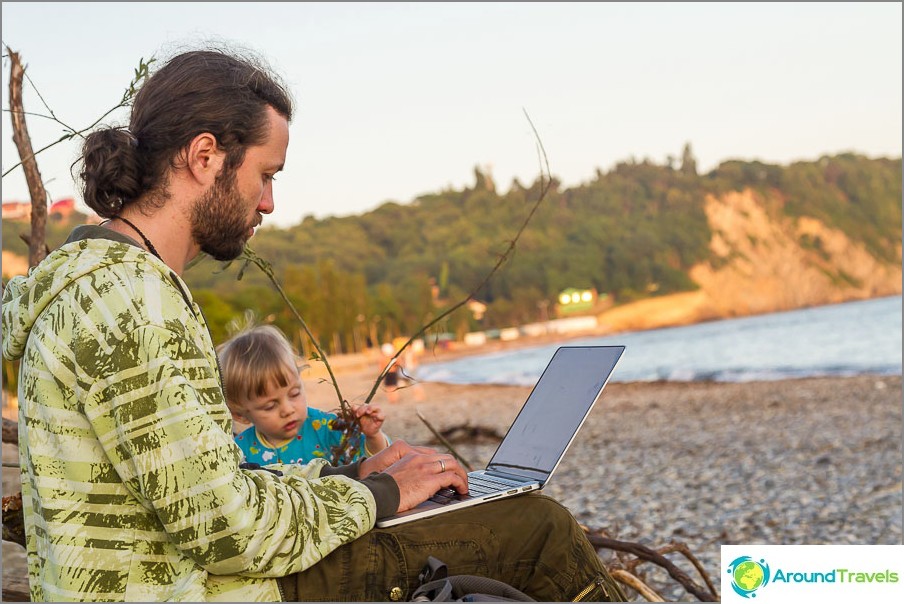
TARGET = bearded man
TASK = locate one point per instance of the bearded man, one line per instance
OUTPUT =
(132, 485)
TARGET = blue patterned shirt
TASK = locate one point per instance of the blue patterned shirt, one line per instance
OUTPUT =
(316, 439)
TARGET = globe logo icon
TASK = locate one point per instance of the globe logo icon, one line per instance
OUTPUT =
(748, 575)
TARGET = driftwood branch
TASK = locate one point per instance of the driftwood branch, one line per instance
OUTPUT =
(36, 248)
(684, 550)
(471, 434)
(13, 519)
(647, 554)
(10, 431)
(632, 581)
(15, 588)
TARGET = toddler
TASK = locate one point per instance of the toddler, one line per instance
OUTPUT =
(263, 387)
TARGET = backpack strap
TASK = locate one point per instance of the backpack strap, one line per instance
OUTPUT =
(438, 586)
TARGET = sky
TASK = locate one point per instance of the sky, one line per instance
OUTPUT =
(397, 100)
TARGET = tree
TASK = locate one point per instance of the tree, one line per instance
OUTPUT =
(688, 162)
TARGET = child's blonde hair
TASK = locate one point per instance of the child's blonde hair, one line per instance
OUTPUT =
(255, 361)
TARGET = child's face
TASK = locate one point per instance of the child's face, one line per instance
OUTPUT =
(280, 411)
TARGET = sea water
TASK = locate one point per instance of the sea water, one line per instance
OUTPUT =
(837, 340)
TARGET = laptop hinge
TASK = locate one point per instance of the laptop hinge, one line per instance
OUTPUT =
(523, 475)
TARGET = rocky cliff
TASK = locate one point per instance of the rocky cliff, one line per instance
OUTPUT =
(764, 262)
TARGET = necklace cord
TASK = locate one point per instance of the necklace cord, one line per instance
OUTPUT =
(147, 242)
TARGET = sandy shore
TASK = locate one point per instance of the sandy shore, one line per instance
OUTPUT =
(810, 461)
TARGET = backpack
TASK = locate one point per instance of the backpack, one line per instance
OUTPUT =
(438, 586)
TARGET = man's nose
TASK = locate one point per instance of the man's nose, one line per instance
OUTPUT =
(266, 204)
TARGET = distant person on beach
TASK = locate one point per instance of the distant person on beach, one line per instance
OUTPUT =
(400, 376)
(391, 378)
(263, 388)
(132, 483)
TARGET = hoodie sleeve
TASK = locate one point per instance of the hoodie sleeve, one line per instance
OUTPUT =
(149, 412)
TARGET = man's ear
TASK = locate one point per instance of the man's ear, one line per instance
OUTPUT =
(204, 158)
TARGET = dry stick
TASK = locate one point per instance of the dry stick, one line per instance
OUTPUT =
(36, 250)
(443, 440)
(636, 584)
(345, 410)
(683, 549)
(502, 259)
(141, 73)
(250, 256)
(644, 552)
(10, 431)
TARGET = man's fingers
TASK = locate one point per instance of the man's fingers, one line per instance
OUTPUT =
(449, 465)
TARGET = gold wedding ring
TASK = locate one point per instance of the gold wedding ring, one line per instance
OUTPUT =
(442, 466)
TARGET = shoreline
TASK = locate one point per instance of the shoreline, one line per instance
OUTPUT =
(644, 315)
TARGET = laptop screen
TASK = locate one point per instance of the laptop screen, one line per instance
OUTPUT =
(555, 410)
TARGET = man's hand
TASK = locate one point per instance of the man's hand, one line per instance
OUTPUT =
(389, 456)
(420, 475)
(418, 471)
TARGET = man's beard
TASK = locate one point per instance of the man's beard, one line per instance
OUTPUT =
(219, 219)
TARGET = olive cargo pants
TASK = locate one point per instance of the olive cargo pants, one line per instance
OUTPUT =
(530, 542)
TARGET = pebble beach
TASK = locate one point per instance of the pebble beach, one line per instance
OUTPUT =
(805, 461)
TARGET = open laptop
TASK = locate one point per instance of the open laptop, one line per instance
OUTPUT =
(537, 440)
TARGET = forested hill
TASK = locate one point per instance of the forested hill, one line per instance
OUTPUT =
(636, 231)
(632, 232)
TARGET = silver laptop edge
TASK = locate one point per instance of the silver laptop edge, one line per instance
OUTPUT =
(540, 476)
(529, 479)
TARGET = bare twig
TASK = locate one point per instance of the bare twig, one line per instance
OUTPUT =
(645, 553)
(46, 106)
(141, 73)
(503, 258)
(46, 117)
(632, 581)
(36, 191)
(251, 257)
(684, 550)
(351, 423)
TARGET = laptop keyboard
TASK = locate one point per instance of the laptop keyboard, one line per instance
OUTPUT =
(478, 485)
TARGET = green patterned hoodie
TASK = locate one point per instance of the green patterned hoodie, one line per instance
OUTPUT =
(130, 476)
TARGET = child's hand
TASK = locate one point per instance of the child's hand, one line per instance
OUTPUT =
(372, 418)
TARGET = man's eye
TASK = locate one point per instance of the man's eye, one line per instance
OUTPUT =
(270, 177)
